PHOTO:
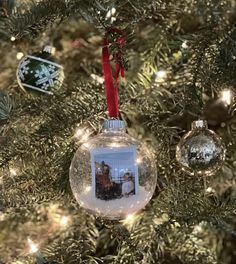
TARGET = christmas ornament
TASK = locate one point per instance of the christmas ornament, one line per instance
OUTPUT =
(39, 73)
(200, 151)
(113, 175)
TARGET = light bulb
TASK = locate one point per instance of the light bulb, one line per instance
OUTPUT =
(184, 45)
(129, 220)
(160, 75)
(226, 97)
(64, 221)
(13, 172)
(33, 247)
(19, 55)
(97, 78)
(82, 134)
(111, 13)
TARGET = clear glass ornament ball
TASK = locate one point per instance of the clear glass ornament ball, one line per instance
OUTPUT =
(113, 175)
(201, 150)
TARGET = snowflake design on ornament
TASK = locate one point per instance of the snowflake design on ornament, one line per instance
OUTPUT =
(47, 76)
(24, 68)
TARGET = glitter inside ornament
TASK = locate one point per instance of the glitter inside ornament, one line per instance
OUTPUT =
(112, 175)
(200, 151)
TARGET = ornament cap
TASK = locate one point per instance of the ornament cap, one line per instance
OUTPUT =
(199, 124)
(113, 125)
(49, 49)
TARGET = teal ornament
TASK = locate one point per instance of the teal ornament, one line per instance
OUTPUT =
(40, 73)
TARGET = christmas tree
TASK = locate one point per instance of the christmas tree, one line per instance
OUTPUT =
(179, 62)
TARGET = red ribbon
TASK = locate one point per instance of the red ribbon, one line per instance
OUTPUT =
(111, 88)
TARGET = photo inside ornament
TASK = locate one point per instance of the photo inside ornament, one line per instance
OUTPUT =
(113, 175)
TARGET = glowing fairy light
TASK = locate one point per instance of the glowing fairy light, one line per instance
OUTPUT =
(97, 78)
(160, 75)
(129, 220)
(82, 134)
(33, 247)
(64, 220)
(111, 13)
(113, 19)
(138, 160)
(13, 38)
(19, 55)
(13, 172)
(184, 45)
(210, 190)
(226, 97)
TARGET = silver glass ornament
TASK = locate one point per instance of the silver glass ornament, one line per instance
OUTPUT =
(201, 150)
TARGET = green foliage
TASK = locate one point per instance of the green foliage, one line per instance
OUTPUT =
(189, 218)
(6, 105)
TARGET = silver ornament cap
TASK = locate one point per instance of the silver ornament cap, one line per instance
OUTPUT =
(114, 125)
(49, 49)
(199, 124)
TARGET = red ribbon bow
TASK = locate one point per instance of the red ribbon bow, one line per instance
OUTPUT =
(111, 89)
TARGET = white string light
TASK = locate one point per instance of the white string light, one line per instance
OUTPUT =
(82, 134)
(226, 97)
(184, 45)
(111, 14)
(19, 55)
(32, 246)
(160, 75)
(13, 38)
(97, 78)
(34, 249)
(210, 190)
(129, 220)
(13, 172)
(64, 220)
